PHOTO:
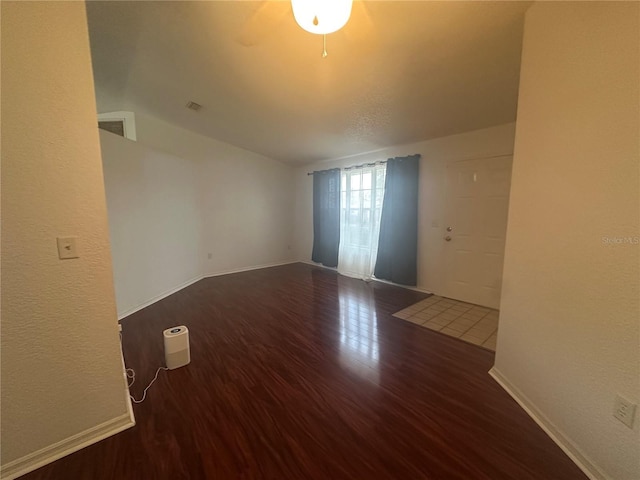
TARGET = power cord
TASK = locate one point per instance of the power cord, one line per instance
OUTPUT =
(131, 374)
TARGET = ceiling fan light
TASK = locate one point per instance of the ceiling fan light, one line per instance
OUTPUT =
(321, 16)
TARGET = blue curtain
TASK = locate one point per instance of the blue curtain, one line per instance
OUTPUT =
(398, 246)
(326, 217)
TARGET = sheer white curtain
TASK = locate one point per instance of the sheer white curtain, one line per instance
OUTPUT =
(362, 191)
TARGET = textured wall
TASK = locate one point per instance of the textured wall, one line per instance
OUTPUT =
(246, 199)
(155, 220)
(436, 155)
(175, 196)
(569, 323)
(61, 364)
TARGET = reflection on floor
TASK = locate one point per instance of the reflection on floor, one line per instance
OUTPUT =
(468, 322)
(359, 343)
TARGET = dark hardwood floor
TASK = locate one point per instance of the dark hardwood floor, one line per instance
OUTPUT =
(298, 373)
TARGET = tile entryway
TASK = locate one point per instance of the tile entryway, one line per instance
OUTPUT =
(468, 322)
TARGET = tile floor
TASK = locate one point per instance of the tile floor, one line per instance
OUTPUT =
(468, 322)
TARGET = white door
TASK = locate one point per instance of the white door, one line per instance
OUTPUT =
(475, 229)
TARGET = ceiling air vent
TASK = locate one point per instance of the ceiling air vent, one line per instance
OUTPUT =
(194, 106)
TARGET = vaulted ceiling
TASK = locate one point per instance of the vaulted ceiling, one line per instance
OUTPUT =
(398, 72)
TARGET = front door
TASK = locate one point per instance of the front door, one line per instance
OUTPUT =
(476, 225)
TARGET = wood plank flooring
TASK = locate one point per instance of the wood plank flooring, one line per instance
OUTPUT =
(298, 373)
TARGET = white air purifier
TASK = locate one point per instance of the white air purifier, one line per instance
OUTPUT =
(176, 347)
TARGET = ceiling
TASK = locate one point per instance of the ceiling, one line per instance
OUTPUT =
(398, 72)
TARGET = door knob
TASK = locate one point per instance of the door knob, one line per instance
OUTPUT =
(448, 238)
(449, 229)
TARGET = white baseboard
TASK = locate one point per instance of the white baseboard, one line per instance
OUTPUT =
(159, 297)
(127, 393)
(408, 287)
(64, 447)
(314, 264)
(560, 439)
(246, 269)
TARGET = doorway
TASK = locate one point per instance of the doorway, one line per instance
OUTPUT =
(477, 202)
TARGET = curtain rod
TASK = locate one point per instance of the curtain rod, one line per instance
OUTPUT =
(372, 164)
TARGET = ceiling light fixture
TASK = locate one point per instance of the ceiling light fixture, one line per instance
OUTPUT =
(321, 16)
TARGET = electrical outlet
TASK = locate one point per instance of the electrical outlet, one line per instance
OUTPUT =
(209, 256)
(624, 410)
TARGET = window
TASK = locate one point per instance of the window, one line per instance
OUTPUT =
(362, 192)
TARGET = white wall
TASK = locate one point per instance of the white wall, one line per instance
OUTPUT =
(175, 196)
(248, 213)
(245, 198)
(61, 364)
(154, 220)
(570, 313)
(436, 155)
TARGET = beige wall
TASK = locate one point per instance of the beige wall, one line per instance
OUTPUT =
(61, 364)
(569, 326)
(437, 154)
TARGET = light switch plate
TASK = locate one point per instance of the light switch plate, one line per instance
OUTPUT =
(624, 410)
(67, 247)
